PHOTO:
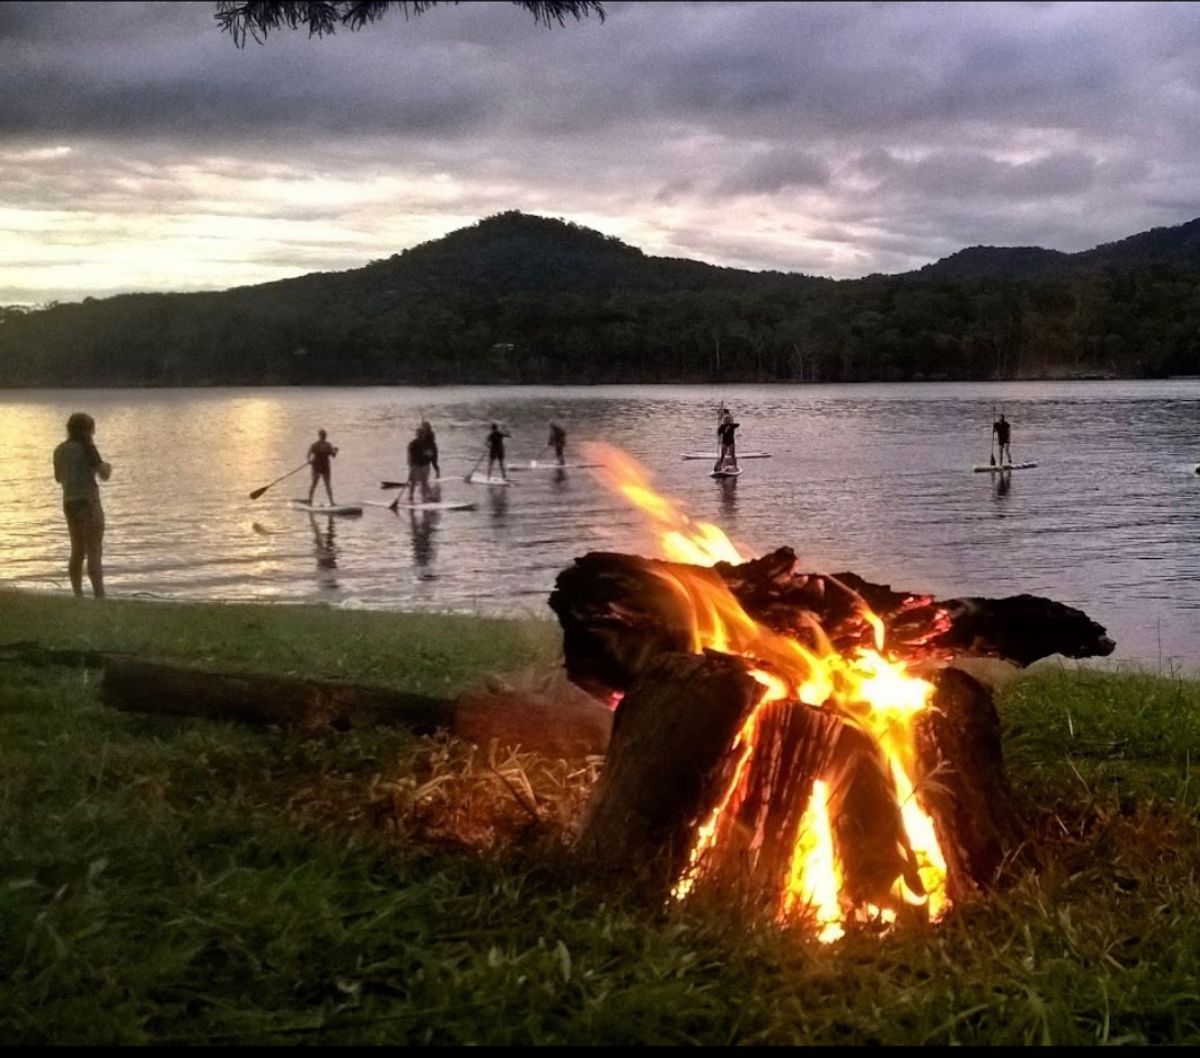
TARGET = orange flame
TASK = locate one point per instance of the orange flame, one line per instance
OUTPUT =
(865, 689)
(682, 540)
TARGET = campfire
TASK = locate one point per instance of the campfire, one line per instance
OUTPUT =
(795, 740)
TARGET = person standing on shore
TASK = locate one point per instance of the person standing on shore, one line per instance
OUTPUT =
(558, 441)
(495, 443)
(77, 464)
(320, 452)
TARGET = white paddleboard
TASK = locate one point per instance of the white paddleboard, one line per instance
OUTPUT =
(713, 455)
(533, 464)
(987, 468)
(463, 505)
(727, 472)
(341, 508)
(476, 479)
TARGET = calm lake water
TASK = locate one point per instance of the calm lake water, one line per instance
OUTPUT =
(874, 478)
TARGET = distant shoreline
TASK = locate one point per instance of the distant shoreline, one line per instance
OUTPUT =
(601, 385)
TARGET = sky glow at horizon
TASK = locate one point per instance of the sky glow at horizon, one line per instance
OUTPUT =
(141, 150)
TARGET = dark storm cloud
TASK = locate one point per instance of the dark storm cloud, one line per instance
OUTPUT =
(778, 169)
(839, 138)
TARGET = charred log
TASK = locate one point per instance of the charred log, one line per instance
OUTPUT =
(668, 761)
(868, 830)
(961, 782)
(619, 611)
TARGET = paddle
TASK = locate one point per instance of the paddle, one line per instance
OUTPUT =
(471, 472)
(533, 462)
(258, 492)
(992, 437)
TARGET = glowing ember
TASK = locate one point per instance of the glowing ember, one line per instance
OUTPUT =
(865, 689)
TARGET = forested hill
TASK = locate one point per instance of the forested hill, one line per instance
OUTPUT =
(1179, 246)
(517, 298)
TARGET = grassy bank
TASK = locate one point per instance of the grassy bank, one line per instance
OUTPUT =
(166, 880)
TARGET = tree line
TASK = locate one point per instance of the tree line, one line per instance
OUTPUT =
(520, 299)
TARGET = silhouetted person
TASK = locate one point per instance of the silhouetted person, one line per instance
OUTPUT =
(420, 459)
(495, 443)
(558, 441)
(320, 453)
(1003, 432)
(77, 464)
(727, 455)
(426, 431)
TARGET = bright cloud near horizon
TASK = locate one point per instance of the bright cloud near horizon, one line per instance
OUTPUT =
(141, 150)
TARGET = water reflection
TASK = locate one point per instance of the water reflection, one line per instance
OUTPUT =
(325, 551)
(729, 504)
(1003, 483)
(498, 502)
(423, 524)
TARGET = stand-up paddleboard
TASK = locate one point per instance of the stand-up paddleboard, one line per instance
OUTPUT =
(340, 508)
(713, 455)
(477, 479)
(534, 464)
(727, 472)
(987, 468)
(448, 505)
(431, 505)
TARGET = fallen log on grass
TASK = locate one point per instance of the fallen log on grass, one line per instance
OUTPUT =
(562, 722)
(254, 698)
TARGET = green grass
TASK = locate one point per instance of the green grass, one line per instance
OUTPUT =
(188, 881)
(426, 654)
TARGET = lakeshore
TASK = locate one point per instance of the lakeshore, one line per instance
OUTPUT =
(171, 880)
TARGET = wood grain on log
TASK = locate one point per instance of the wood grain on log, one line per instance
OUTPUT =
(668, 761)
(961, 782)
(617, 612)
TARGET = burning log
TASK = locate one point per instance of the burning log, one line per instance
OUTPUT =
(667, 761)
(762, 743)
(961, 781)
(702, 787)
(772, 737)
(618, 611)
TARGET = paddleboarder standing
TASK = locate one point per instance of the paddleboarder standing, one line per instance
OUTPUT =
(320, 453)
(1003, 431)
(495, 443)
(558, 441)
(727, 455)
(421, 456)
(77, 464)
(426, 431)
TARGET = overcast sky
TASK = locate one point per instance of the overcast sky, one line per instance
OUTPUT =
(141, 150)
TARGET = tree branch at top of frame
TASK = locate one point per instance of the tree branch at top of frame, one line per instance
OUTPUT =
(257, 18)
